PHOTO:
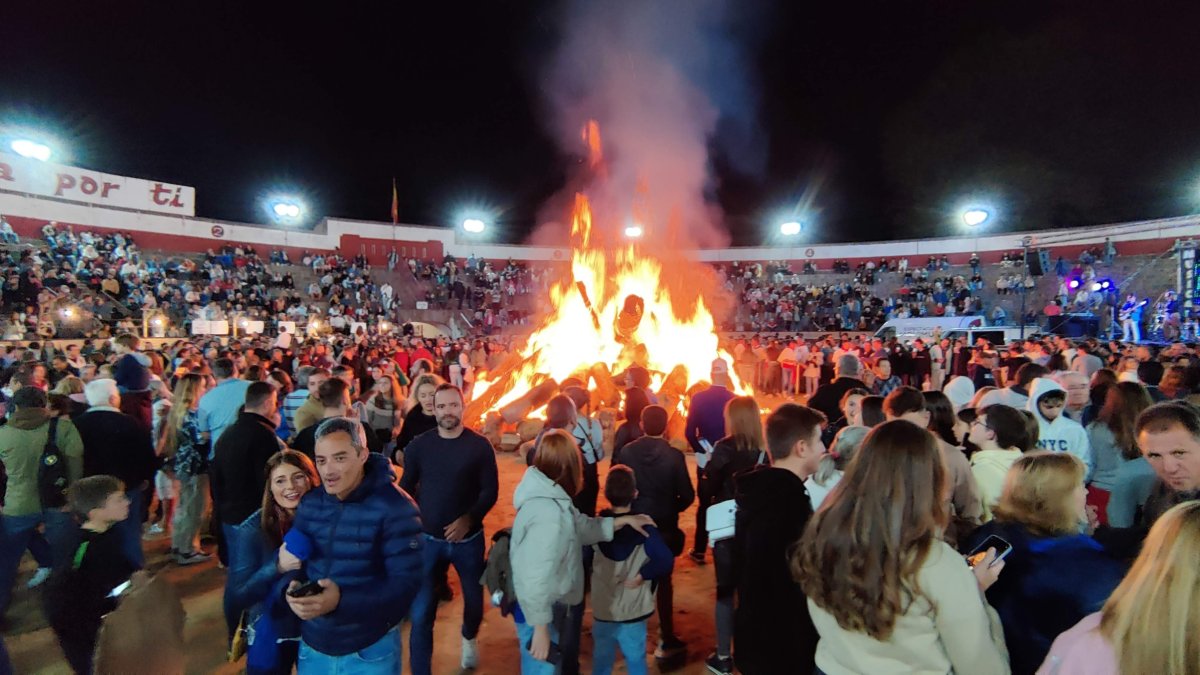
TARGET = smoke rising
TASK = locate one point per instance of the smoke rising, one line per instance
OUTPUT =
(667, 81)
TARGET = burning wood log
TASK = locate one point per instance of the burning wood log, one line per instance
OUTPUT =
(606, 391)
(587, 302)
(485, 402)
(674, 388)
(532, 400)
(491, 429)
(529, 429)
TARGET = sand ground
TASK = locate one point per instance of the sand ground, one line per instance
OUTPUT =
(35, 651)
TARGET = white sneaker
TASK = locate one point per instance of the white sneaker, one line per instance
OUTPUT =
(39, 577)
(470, 654)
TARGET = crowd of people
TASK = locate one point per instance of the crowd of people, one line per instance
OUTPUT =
(476, 285)
(953, 508)
(773, 298)
(776, 299)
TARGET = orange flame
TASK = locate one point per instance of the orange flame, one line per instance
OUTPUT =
(581, 328)
(591, 138)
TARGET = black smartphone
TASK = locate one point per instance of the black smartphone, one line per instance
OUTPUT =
(306, 589)
(553, 655)
(976, 556)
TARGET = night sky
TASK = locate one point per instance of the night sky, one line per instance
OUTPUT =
(885, 116)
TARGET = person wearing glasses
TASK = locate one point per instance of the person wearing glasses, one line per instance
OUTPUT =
(1000, 434)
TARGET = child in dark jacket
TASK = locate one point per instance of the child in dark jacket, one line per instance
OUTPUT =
(622, 574)
(84, 588)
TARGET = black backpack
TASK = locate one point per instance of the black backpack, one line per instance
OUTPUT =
(52, 472)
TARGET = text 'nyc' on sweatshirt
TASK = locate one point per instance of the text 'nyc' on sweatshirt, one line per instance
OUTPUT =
(1061, 434)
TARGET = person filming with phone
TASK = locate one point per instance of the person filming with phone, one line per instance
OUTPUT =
(364, 560)
(1055, 573)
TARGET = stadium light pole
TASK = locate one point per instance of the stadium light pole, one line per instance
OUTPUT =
(1026, 242)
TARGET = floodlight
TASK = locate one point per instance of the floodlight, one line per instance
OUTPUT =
(973, 217)
(633, 231)
(474, 225)
(285, 209)
(790, 228)
(31, 149)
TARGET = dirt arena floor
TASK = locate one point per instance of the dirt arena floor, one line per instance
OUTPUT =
(35, 651)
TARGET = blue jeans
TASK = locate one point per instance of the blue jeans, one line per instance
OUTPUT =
(20, 532)
(130, 529)
(630, 637)
(382, 658)
(530, 665)
(468, 561)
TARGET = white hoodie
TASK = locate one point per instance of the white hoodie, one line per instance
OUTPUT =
(1063, 434)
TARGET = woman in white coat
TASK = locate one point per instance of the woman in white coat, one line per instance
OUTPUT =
(546, 550)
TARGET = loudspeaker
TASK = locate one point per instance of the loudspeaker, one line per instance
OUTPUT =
(1033, 262)
(1075, 325)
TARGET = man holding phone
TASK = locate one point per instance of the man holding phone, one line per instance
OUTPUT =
(365, 558)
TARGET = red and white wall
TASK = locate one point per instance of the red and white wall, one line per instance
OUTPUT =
(170, 232)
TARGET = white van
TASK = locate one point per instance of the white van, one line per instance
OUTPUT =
(952, 327)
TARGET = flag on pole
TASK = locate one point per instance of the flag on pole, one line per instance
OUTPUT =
(395, 204)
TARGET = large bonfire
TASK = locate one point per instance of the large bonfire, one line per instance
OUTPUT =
(620, 304)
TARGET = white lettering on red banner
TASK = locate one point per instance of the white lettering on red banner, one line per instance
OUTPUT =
(19, 174)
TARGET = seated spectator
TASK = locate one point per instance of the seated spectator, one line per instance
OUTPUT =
(1055, 575)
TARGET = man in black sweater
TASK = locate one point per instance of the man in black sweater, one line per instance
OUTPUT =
(334, 395)
(664, 491)
(451, 472)
(238, 470)
(116, 444)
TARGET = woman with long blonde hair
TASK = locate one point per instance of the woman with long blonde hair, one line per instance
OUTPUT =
(1056, 573)
(1151, 621)
(886, 594)
(744, 449)
(185, 449)
(381, 410)
(419, 417)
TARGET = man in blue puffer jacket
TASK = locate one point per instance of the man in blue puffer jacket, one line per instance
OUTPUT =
(366, 555)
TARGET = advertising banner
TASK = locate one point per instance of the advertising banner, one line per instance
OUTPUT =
(19, 174)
